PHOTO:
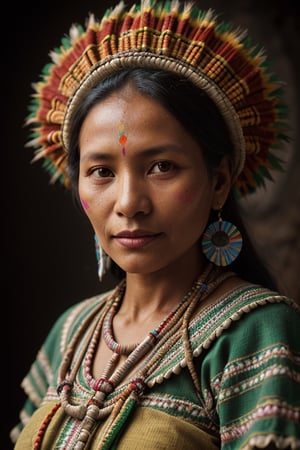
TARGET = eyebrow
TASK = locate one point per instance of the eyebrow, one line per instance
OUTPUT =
(152, 151)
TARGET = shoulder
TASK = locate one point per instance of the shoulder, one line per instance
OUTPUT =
(236, 297)
(242, 313)
(240, 320)
(249, 318)
(74, 317)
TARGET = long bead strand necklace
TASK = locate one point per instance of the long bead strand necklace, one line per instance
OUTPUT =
(112, 376)
(114, 346)
(180, 332)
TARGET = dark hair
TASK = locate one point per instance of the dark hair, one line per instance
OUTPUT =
(200, 117)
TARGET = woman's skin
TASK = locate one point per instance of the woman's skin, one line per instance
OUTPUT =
(148, 194)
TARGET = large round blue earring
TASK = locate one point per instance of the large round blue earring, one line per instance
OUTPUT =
(103, 259)
(221, 242)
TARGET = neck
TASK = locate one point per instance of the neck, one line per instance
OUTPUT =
(154, 295)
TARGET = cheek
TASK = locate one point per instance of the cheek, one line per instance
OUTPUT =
(89, 207)
(195, 203)
(95, 208)
(185, 197)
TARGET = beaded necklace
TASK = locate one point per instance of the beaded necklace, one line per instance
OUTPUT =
(170, 327)
(108, 331)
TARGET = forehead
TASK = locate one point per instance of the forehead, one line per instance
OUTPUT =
(128, 110)
(128, 118)
(128, 101)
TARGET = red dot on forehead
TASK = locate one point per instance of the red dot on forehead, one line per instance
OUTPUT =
(123, 139)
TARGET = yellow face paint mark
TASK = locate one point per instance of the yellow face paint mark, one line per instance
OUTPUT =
(122, 137)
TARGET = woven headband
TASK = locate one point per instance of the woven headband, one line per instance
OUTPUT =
(175, 37)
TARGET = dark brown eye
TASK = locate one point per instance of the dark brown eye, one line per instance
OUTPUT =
(162, 166)
(103, 172)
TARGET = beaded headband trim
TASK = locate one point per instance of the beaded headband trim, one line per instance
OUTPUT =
(177, 37)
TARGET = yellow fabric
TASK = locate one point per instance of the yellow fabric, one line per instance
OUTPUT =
(148, 429)
(155, 430)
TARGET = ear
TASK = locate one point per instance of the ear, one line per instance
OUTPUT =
(222, 180)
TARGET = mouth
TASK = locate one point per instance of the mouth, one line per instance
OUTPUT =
(136, 239)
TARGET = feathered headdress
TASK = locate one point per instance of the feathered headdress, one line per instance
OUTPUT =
(177, 37)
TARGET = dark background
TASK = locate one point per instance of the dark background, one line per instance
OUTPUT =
(48, 250)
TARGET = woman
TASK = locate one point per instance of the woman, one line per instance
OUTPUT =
(158, 119)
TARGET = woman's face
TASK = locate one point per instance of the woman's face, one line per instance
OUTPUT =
(143, 184)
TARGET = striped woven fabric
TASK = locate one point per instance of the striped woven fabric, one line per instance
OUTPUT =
(249, 374)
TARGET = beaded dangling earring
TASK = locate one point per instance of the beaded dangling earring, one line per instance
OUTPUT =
(221, 242)
(102, 258)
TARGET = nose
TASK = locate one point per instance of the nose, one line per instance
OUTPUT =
(132, 196)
